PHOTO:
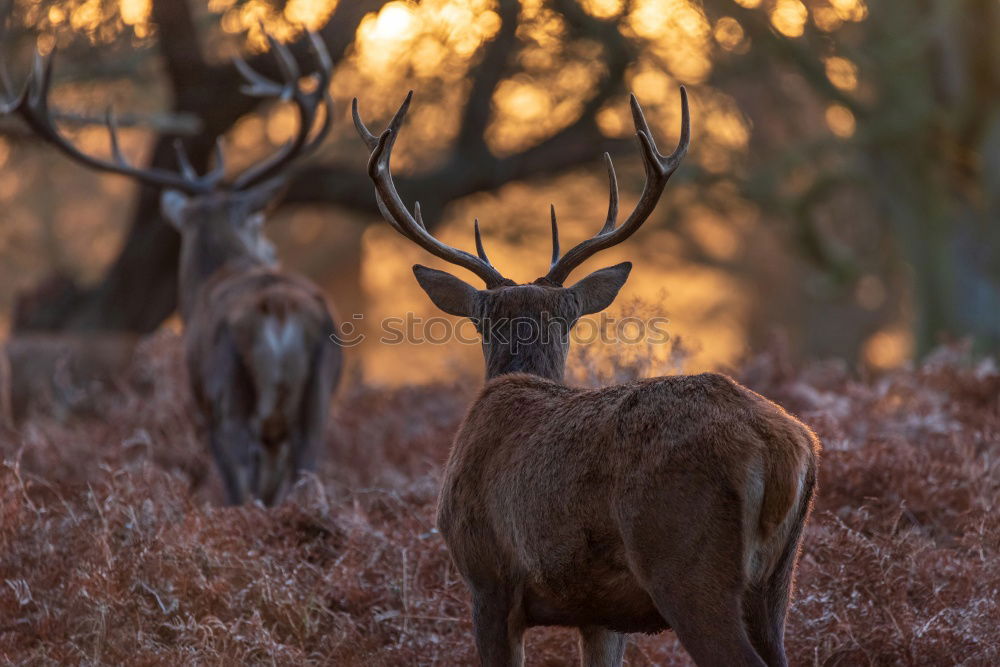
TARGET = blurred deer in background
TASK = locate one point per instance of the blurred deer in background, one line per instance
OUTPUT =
(261, 361)
(672, 502)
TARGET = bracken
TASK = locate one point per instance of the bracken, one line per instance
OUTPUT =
(113, 548)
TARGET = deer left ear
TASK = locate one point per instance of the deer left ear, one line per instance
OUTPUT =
(450, 294)
(173, 205)
(596, 292)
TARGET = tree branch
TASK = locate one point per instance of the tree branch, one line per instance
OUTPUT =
(468, 171)
(486, 76)
(797, 53)
(139, 290)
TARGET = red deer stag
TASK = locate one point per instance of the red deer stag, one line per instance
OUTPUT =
(673, 502)
(261, 361)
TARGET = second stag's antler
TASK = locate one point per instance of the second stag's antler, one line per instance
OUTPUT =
(658, 169)
(32, 105)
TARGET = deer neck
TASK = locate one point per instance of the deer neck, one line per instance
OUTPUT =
(202, 257)
(544, 363)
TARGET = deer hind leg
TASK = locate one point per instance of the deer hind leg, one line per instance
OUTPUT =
(711, 630)
(309, 435)
(499, 626)
(275, 470)
(765, 620)
(233, 449)
(600, 647)
(765, 607)
(691, 565)
(704, 610)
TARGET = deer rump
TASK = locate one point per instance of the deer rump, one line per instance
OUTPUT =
(568, 499)
(262, 369)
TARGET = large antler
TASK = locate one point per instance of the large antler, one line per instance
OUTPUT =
(32, 105)
(307, 104)
(395, 212)
(658, 167)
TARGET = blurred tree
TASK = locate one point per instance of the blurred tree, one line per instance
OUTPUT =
(138, 292)
(864, 138)
(912, 98)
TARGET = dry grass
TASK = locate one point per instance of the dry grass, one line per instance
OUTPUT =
(113, 549)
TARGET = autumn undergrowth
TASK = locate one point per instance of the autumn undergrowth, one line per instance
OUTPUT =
(115, 549)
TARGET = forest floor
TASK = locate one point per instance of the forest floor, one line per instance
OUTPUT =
(114, 548)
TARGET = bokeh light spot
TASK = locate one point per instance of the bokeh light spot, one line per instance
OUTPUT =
(789, 17)
(840, 120)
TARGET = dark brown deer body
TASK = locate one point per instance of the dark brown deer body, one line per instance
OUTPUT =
(675, 502)
(260, 354)
(260, 359)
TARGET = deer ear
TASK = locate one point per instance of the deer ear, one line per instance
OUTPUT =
(596, 292)
(173, 205)
(453, 296)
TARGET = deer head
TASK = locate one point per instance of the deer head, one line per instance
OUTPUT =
(220, 220)
(525, 328)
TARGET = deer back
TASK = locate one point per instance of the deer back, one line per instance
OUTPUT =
(542, 476)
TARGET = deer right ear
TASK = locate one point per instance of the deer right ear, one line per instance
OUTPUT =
(453, 296)
(596, 292)
(173, 205)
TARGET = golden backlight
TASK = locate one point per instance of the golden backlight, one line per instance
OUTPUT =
(431, 46)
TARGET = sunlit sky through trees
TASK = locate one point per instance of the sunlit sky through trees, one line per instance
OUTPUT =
(430, 46)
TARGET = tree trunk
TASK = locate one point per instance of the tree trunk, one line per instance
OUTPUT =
(139, 291)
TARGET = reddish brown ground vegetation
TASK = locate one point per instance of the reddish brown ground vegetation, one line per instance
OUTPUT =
(113, 548)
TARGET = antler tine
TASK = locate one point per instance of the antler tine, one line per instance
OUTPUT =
(210, 179)
(15, 100)
(480, 250)
(323, 76)
(286, 61)
(612, 219)
(257, 85)
(322, 55)
(219, 169)
(366, 136)
(116, 150)
(324, 128)
(652, 158)
(41, 79)
(658, 169)
(418, 217)
(32, 105)
(371, 141)
(555, 236)
(396, 214)
(307, 104)
(183, 161)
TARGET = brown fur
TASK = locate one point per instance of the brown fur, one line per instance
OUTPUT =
(674, 502)
(261, 360)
